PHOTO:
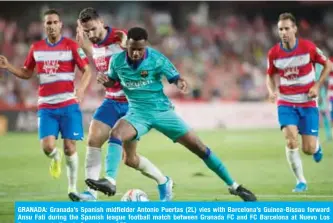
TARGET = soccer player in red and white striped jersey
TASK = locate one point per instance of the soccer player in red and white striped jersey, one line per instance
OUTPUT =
(293, 60)
(54, 60)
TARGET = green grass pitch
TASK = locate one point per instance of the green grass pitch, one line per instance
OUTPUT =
(255, 158)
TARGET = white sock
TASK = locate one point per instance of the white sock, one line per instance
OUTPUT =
(295, 162)
(93, 165)
(317, 145)
(72, 164)
(55, 154)
(148, 169)
(234, 186)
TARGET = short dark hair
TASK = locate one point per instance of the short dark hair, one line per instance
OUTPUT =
(137, 33)
(51, 12)
(286, 16)
(88, 14)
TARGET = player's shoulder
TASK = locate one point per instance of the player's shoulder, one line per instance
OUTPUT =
(114, 30)
(306, 43)
(112, 36)
(38, 44)
(118, 59)
(274, 50)
(68, 42)
(156, 55)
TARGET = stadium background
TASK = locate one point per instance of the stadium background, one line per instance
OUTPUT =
(220, 48)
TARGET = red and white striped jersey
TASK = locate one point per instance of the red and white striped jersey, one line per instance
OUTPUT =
(102, 53)
(55, 66)
(296, 70)
(330, 83)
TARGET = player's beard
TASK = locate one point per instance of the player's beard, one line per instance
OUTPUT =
(94, 40)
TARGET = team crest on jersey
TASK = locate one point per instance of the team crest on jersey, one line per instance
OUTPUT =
(291, 73)
(81, 53)
(144, 73)
(51, 66)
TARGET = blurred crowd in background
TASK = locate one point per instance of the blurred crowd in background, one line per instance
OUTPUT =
(222, 56)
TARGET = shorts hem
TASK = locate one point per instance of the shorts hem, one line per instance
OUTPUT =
(174, 139)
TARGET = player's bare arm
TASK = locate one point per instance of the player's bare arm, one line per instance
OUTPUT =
(83, 40)
(105, 80)
(85, 80)
(123, 38)
(22, 72)
(271, 87)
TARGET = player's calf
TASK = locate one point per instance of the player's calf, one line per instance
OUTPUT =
(132, 161)
(194, 144)
(48, 145)
(311, 146)
(72, 164)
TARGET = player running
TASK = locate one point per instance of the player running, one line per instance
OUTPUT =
(58, 110)
(140, 69)
(323, 103)
(101, 44)
(292, 59)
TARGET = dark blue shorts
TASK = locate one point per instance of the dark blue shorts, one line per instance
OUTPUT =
(110, 112)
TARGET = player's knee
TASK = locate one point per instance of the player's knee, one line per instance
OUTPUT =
(48, 149)
(69, 147)
(116, 134)
(292, 143)
(95, 141)
(48, 146)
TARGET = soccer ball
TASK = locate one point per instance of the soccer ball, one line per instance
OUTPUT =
(135, 195)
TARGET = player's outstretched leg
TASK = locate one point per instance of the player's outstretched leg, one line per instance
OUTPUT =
(48, 145)
(122, 131)
(193, 143)
(294, 157)
(148, 169)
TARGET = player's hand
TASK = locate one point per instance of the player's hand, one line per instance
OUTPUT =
(3, 62)
(102, 78)
(123, 38)
(313, 92)
(79, 94)
(182, 85)
(272, 97)
(80, 36)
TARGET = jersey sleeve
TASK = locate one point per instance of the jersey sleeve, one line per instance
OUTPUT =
(271, 69)
(318, 69)
(111, 71)
(30, 62)
(80, 58)
(169, 70)
(317, 56)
